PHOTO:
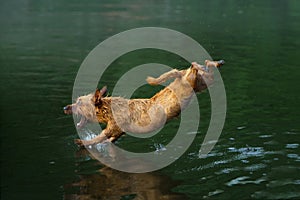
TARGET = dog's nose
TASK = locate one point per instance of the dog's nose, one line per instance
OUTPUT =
(66, 107)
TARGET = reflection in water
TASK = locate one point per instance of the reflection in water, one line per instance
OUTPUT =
(108, 183)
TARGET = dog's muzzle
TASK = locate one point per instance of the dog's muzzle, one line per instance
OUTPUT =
(68, 110)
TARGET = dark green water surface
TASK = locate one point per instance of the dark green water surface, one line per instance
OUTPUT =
(42, 44)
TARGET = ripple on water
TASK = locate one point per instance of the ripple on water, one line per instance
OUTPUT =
(265, 136)
(159, 147)
(226, 171)
(213, 193)
(292, 146)
(243, 180)
(278, 183)
(272, 142)
(248, 151)
(274, 195)
(255, 167)
(294, 156)
(240, 127)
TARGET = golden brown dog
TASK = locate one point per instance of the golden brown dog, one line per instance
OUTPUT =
(142, 115)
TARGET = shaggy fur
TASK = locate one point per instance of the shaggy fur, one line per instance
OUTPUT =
(142, 115)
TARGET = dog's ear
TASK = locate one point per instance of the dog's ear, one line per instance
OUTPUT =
(103, 91)
(99, 94)
(97, 97)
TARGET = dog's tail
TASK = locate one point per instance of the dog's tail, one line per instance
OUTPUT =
(168, 75)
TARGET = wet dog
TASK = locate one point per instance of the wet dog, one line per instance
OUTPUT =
(142, 115)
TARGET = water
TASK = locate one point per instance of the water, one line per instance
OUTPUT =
(42, 45)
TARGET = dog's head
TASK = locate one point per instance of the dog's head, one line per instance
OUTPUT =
(84, 107)
(200, 77)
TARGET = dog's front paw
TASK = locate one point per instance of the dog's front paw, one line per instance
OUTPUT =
(79, 142)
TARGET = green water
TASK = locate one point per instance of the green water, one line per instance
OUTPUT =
(42, 44)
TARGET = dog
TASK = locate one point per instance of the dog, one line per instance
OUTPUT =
(142, 115)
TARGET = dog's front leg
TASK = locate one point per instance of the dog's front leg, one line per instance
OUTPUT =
(99, 138)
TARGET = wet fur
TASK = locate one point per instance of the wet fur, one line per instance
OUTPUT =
(142, 115)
